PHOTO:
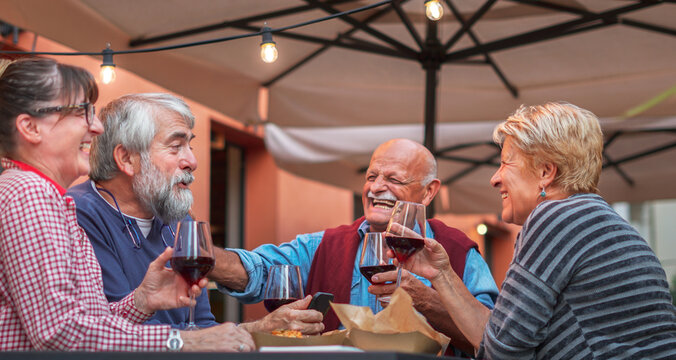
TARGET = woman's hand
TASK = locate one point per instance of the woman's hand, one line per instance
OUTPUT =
(162, 288)
(293, 316)
(385, 283)
(226, 337)
(431, 262)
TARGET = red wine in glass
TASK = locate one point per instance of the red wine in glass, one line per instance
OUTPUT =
(192, 269)
(283, 286)
(273, 304)
(404, 247)
(406, 231)
(369, 271)
(374, 260)
(193, 257)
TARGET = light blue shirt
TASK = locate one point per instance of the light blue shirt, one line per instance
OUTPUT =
(477, 277)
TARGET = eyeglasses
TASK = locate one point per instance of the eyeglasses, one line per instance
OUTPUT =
(131, 231)
(89, 110)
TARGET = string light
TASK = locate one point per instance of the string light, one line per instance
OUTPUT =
(269, 52)
(108, 66)
(434, 10)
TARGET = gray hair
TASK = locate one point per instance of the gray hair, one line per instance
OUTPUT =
(130, 121)
(431, 170)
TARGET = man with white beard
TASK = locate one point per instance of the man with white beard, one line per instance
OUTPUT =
(141, 170)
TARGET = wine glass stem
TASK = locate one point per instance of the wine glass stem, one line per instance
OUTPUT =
(398, 275)
(191, 314)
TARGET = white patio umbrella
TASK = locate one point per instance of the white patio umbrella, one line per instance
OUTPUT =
(343, 86)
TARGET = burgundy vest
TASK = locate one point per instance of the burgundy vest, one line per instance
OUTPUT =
(334, 259)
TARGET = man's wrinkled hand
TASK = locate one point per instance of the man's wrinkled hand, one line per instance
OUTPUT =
(226, 337)
(293, 316)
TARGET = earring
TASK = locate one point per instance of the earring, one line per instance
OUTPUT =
(543, 193)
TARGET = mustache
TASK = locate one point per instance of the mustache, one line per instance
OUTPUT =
(384, 196)
(186, 177)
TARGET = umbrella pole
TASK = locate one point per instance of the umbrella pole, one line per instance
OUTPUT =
(432, 56)
(430, 107)
(431, 59)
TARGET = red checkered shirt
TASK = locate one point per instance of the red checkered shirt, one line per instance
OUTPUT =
(51, 290)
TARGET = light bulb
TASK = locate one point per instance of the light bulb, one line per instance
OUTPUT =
(269, 52)
(482, 229)
(108, 66)
(268, 46)
(433, 10)
(107, 74)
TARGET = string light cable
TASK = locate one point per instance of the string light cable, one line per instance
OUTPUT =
(108, 53)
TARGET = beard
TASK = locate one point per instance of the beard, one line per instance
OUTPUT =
(160, 194)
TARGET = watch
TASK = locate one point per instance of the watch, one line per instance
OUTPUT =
(174, 342)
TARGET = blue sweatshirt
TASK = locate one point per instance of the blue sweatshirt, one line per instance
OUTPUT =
(123, 266)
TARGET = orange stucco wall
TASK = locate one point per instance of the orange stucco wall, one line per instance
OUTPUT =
(310, 206)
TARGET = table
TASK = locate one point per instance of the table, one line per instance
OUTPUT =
(217, 356)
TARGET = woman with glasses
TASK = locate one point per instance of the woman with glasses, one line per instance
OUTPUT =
(51, 295)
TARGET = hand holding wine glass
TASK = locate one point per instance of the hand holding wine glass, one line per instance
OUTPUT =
(374, 260)
(294, 316)
(193, 257)
(431, 263)
(284, 286)
(405, 233)
(162, 288)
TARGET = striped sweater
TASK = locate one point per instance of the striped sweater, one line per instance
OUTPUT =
(583, 284)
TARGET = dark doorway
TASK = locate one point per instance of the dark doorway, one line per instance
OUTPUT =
(226, 211)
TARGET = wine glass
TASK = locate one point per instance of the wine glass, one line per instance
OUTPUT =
(193, 257)
(405, 233)
(374, 260)
(284, 286)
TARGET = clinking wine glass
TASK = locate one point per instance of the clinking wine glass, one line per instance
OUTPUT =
(405, 233)
(284, 286)
(374, 260)
(193, 257)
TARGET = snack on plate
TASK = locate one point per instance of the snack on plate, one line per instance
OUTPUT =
(288, 333)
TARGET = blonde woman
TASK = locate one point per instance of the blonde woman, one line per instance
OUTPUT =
(582, 284)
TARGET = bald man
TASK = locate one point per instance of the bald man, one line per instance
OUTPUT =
(400, 169)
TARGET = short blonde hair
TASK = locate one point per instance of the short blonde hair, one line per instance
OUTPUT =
(566, 135)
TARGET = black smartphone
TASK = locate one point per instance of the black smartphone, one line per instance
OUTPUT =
(320, 302)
